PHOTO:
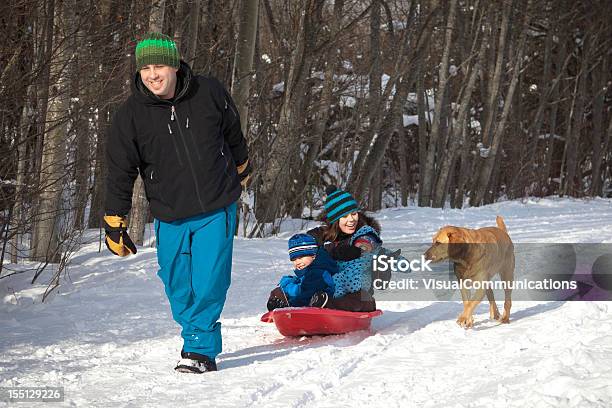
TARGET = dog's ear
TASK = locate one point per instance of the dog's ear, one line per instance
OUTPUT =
(441, 236)
(456, 236)
(438, 236)
(457, 248)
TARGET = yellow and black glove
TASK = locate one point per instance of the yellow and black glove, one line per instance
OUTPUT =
(117, 239)
(244, 173)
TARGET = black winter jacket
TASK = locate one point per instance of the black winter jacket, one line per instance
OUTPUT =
(186, 149)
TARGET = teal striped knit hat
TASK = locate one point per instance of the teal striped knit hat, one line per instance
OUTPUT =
(338, 203)
(157, 49)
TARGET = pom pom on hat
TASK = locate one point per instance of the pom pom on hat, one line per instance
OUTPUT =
(330, 189)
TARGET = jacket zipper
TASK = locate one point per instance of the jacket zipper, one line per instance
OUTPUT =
(227, 176)
(227, 104)
(195, 145)
(173, 114)
(178, 155)
(230, 106)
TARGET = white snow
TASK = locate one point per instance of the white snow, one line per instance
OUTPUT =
(108, 338)
(410, 120)
(347, 101)
(279, 87)
(547, 136)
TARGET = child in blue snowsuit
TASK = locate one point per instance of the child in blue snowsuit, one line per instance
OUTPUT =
(314, 271)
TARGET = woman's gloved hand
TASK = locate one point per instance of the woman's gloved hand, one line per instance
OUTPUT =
(345, 252)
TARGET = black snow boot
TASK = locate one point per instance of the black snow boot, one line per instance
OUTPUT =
(276, 303)
(319, 299)
(195, 363)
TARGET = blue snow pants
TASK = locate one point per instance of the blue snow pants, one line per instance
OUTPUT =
(195, 259)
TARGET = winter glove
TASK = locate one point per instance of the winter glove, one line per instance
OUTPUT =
(244, 173)
(345, 252)
(290, 286)
(117, 239)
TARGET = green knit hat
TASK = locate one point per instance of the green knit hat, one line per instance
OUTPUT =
(157, 49)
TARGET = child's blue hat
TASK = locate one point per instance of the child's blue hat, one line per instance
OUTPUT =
(302, 245)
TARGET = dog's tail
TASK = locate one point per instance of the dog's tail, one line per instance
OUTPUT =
(500, 223)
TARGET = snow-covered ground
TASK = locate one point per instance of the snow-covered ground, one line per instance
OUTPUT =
(108, 338)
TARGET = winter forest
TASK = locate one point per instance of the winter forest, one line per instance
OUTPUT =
(435, 103)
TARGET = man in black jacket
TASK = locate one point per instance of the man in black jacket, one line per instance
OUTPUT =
(182, 133)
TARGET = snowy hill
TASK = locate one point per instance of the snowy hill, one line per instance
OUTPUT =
(108, 338)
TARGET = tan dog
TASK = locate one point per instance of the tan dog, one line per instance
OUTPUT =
(477, 255)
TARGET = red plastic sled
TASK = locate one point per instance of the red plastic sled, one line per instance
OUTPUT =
(308, 321)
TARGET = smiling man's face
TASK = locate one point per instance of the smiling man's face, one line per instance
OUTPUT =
(160, 80)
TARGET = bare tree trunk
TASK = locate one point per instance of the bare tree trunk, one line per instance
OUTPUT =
(572, 184)
(484, 176)
(496, 81)
(463, 169)
(81, 134)
(182, 8)
(97, 196)
(607, 152)
(550, 147)
(27, 128)
(45, 238)
(449, 157)
(375, 190)
(492, 92)
(110, 81)
(423, 130)
(201, 53)
(401, 69)
(156, 18)
(191, 52)
(428, 174)
(284, 150)
(403, 162)
(43, 87)
(571, 111)
(243, 59)
(243, 64)
(322, 113)
(385, 133)
(598, 84)
(294, 196)
(27, 117)
(402, 78)
(526, 173)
